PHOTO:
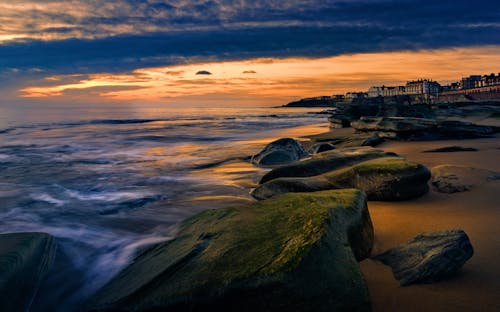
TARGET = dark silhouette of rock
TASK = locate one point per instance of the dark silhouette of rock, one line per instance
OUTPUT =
(296, 252)
(25, 259)
(422, 128)
(381, 179)
(449, 149)
(428, 257)
(321, 147)
(325, 162)
(281, 151)
(394, 124)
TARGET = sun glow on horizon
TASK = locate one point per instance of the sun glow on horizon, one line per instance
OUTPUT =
(273, 79)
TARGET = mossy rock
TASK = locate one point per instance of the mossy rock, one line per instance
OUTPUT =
(386, 178)
(25, 259)
(295, 252)
(345, 141)
(325, 162)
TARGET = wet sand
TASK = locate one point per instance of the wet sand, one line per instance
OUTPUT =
(477, 286)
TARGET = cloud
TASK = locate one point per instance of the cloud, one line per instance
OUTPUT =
(249, 72)
(86, 37)
(203, 72)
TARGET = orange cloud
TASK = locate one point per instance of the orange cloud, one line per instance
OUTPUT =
(278, 80)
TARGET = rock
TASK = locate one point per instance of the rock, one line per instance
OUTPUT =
(325, 162)
(296, 252)
(321, 147)
(453, 179)
(454, 129)
(428, 257)
(382, 179)
(25, 258)
(344, 141)
(419, 128)
(338, 121)
(394, 124)
(280, 152)
(449, 149)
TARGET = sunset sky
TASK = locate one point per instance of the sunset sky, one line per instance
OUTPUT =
(240, 52)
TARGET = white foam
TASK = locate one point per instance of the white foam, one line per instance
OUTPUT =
(47, 198)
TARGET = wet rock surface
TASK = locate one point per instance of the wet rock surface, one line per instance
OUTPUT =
(280, 152)
(25, 259)
(387, 178)
(295, 252)
(429, 257)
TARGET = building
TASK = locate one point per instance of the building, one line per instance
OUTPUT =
(423, 86)
(355, 95)
(470, 82)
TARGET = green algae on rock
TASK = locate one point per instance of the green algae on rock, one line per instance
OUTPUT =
(294, 252)
(387, 178)
(25, 259)
(326, 161)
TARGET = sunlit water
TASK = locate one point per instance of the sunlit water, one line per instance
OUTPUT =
(109, 180)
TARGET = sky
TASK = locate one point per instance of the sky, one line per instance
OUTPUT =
(239, 52)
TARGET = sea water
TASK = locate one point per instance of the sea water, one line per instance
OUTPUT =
(108, 180)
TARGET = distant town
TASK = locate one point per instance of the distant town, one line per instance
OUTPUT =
(474, 87)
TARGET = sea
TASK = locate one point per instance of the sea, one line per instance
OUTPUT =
(107, 180)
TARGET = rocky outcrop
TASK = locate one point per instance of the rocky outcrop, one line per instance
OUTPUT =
(295, 252)
(382, 179)
(25, 259)
(428, 257)
(454, 129)
(321, 147)
(454, 179)
(422, 128)
(394, 124)
(325, 162)
(281, 151)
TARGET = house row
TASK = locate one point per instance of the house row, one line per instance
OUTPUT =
(421, 86)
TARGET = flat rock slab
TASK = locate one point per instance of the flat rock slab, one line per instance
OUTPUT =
(296, 252)
(25, 259)
(387, 178)
(451, 149)
(454, 179)
(429, 257)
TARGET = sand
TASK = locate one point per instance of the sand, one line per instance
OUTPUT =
(477, 286)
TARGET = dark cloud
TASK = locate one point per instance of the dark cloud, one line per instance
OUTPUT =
(123, 35)
(203, 72)
(249, 72)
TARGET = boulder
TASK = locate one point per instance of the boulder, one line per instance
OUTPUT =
(25, 259)
(382, 179)
(338, 121)
(281, 151)
(325, 162)
(428, 257)
(321, 147)
(296, 252)
(453, 179)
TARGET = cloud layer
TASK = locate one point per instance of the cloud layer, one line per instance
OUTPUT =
(121, 35)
